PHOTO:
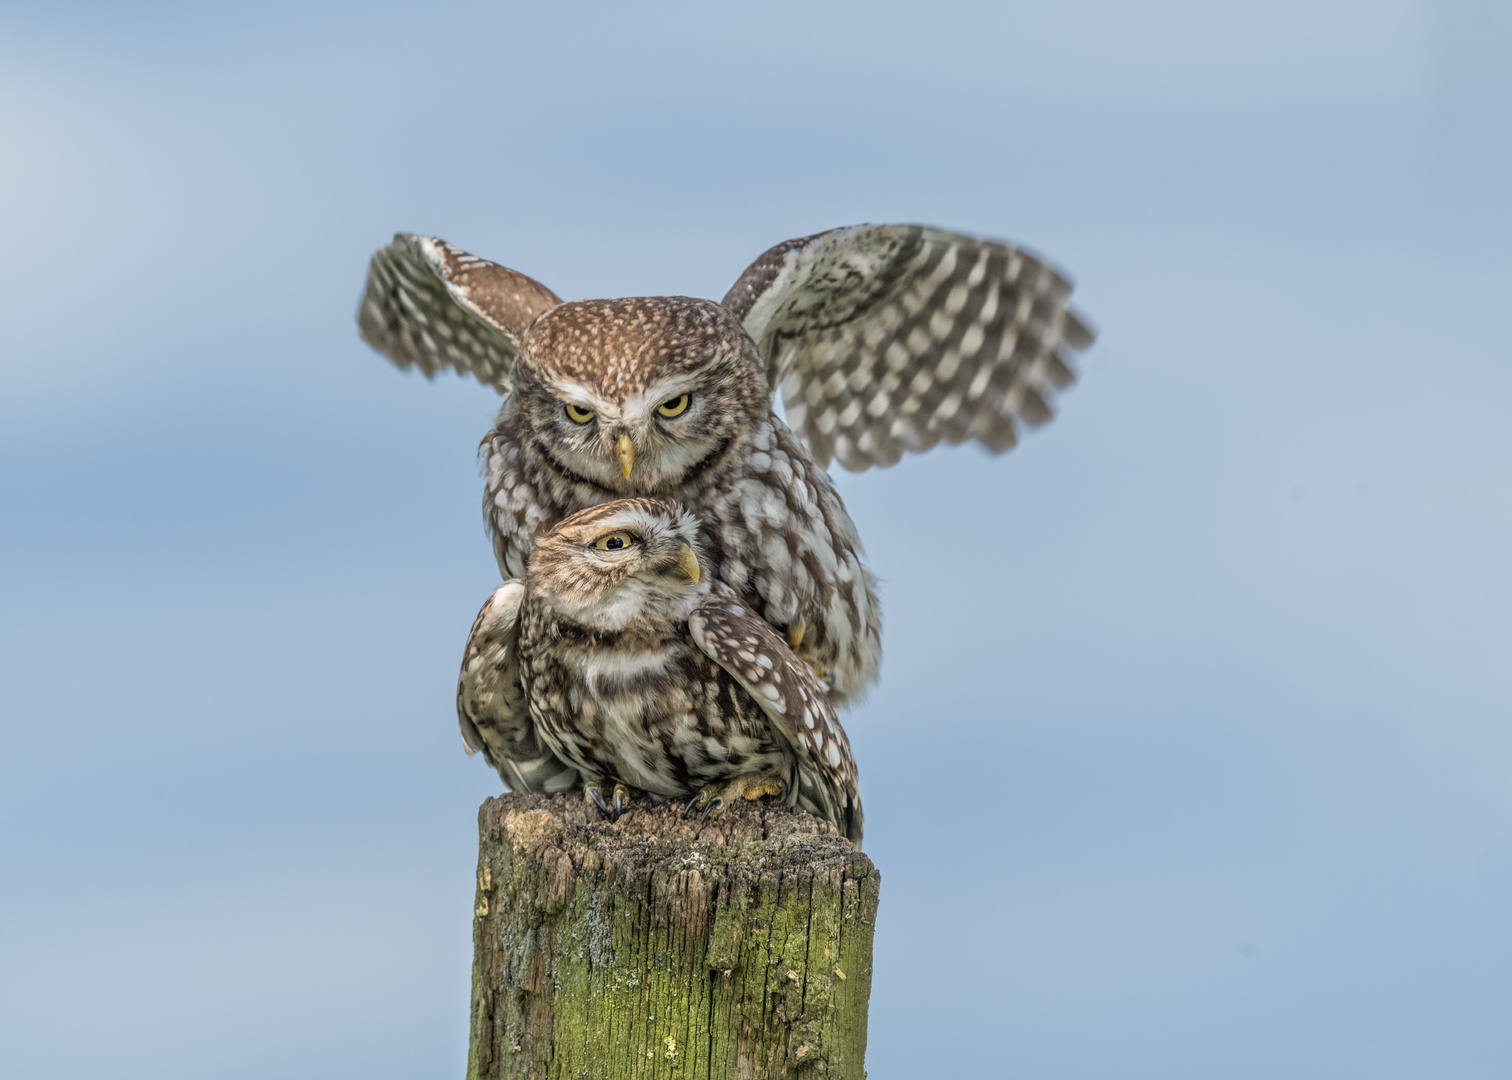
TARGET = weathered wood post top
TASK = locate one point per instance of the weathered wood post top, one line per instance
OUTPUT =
(659, 946)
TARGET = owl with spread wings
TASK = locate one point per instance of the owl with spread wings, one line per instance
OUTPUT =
(881, 338)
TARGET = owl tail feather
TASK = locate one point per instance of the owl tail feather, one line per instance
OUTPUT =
(533, 768)
(815, 793)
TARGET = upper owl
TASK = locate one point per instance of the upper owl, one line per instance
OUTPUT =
(883, 338)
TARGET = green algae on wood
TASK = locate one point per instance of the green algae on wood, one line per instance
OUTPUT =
(658, 947)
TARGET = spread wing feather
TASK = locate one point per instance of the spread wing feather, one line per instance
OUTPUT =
(431, 306)
(893, 338)
(491, 707)
(792, 697)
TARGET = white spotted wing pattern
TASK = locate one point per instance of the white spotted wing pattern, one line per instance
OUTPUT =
(491, 705)
(791, 696)
(432, 306)
(893, 338)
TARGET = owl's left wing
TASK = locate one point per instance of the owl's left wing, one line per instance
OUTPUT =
(893, 338)
(491, 707)
(792, 698)
(430, 305)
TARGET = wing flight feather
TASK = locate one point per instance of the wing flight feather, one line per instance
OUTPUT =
(792, 698)
(491, 706)
(893, 338)
(432, 306)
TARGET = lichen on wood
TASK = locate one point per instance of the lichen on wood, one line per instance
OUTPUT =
(662, 947)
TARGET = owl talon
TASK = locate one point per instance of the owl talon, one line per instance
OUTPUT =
(596, 797)
(715, 798)
(822, 673)
(618, 803)
(795, 635)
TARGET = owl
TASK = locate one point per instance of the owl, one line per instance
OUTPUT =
(619, 661)
(881, 338)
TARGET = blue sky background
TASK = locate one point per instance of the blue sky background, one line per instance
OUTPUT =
(1193, 751)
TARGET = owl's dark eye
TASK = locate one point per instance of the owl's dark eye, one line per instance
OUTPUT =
(615, 541)
(577, 414)
(675, 407)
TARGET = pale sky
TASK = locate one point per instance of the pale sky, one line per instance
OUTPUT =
(1192, 755)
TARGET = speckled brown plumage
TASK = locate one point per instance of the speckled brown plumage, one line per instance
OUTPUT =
(883, 339)
(630, 670)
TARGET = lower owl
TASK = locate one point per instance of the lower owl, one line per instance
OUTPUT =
(615, 663)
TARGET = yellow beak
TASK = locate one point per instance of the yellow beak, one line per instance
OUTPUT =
(625, 451)
(687, 562)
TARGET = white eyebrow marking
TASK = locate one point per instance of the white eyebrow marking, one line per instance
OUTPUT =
(579, 393)
(665, 390)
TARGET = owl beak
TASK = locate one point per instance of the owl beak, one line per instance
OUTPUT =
(625, 451)
(687, 562)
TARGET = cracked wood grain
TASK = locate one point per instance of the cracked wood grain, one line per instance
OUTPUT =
(657, 948)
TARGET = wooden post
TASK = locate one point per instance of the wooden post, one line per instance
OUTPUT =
(662, 947)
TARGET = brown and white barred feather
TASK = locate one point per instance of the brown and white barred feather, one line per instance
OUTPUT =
(491, 707)
(431, 306)
(893, 338)
(793, 699)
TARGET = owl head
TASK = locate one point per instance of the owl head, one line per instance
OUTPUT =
(618, 562)
(639, 396)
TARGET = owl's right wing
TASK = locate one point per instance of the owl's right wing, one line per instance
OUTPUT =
(491, 705)
(431, 306)
(793, 699)
(893, 338)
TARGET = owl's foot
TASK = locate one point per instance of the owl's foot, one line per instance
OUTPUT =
(615, 806)
(795, 632)
(822, 673)
(715, 797)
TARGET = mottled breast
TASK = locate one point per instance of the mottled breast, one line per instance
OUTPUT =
(646, 708)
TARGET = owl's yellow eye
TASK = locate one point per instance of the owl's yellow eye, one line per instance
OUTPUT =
(675, 407)
(577, 414)
(615, 541)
